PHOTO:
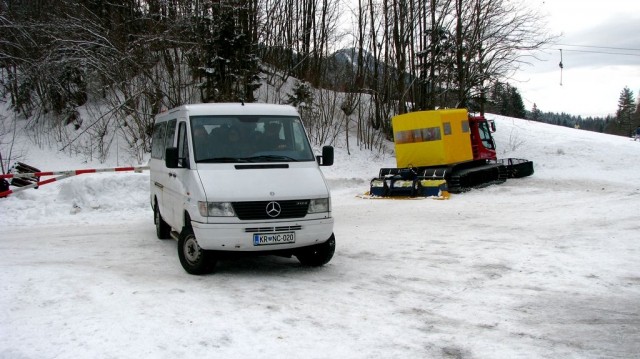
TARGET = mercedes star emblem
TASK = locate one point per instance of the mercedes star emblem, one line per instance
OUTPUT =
(273, 209)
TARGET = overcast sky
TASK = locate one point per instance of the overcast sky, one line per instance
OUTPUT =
(600, 42)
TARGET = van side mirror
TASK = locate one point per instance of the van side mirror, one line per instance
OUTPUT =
(171, 157)
(492, 125)
(327, 156)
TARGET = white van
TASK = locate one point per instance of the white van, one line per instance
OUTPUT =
(242, 179)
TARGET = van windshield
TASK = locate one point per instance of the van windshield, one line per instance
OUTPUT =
(219, 139)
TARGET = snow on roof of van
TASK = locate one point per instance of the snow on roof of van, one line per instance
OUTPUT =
(238, 109)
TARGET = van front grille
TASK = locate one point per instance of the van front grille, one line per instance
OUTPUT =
(271, 209)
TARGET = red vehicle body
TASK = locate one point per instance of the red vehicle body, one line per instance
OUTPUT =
(482, 144)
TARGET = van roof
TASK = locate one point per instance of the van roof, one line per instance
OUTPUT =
(234, 109)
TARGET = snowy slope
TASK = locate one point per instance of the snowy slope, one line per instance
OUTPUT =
(541, 267)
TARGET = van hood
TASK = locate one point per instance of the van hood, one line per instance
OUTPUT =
(262, 182)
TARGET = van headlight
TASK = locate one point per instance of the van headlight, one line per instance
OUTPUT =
(216, 209)
(319, 205)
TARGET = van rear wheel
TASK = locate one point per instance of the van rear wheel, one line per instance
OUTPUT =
(194, 259)
(318, 255)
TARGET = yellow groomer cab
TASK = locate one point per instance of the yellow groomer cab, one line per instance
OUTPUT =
(432, 138)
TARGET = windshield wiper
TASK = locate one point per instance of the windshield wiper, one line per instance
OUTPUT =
(222, 160)
(270, 158)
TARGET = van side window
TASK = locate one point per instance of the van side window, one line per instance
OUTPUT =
(183, 145)
(163, 135)
(157, 141)
(170, 133)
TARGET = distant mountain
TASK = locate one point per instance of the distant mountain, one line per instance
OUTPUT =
(349, 57)
(343, 65)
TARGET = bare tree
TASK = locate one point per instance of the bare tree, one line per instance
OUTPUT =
(503, 36)
(140, 57)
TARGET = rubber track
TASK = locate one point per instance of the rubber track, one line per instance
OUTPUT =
(462, 180)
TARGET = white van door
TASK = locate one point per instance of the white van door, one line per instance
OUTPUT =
(175, 192)
(160, 173)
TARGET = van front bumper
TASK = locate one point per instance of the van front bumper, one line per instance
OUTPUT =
(240, 236)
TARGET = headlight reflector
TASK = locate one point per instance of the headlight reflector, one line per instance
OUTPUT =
(319, 205)
(216, 209)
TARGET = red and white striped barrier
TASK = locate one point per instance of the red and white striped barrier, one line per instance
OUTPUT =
(62, 175)
(75, 172)
(50, 180)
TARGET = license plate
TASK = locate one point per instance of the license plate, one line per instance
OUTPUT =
(273, 238)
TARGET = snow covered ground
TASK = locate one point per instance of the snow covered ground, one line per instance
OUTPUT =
(542, 267)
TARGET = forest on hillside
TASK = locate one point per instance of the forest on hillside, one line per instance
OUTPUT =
(93, 67)
(623, 123)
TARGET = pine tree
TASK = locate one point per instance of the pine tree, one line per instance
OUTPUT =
(506, 100)
(301, 95)
(231, 62)
(636, 116)
(535, 112)
(626, 110)
(517, 105)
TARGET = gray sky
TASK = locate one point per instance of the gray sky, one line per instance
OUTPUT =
(600, 44)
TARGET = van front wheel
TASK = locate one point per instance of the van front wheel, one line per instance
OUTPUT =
(318, 255)
(194, 259)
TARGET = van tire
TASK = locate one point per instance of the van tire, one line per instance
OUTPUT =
(163, 231)
(319, 254)
(194, 259)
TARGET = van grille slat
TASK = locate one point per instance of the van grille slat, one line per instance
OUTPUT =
(272, 229)
(258, 209)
